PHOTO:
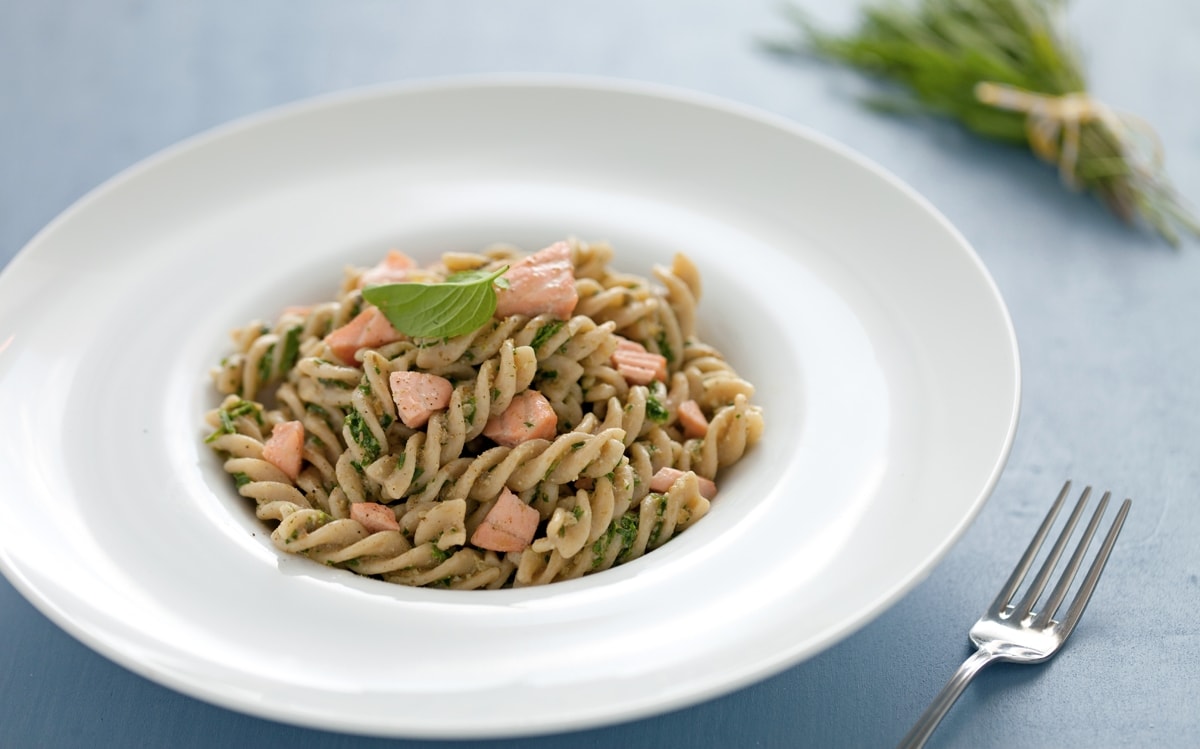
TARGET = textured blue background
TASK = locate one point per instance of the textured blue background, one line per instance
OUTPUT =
(1106, 318)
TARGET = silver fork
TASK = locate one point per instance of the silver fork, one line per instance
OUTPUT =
(1015, 632)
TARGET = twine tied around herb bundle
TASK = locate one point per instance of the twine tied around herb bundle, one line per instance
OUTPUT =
(1052, 124)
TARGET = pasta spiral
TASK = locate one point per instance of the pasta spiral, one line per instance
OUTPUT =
(461, 481)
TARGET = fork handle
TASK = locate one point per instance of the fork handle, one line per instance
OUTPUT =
(929, 720)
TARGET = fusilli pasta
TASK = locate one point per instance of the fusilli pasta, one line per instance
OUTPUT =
(541, 446)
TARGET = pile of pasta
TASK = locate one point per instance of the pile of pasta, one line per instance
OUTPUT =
(628, 463)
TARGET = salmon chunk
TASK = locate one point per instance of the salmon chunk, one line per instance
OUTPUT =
(419, 395)
(637, 365)
(691, 418)
(666, 478)
(369, 329)
(508, 526)
(542, 283)
(528, 417)
(285, 447)
(374, 517)
(392, 269)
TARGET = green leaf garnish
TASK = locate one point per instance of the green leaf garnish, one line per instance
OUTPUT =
(462, 303)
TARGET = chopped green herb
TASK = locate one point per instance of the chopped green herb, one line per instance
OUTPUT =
(241, 479)
(235, 410)
(265, 363)
(660, 501)
(545, 333)
(600, 548)
(334, 383)
(227, 425)
(247, 408)
(627, 528)
(438, 554)
(291, 349)
(363, 436)
(655, 411)
(469, 409)
(664, 348)
(577, 445)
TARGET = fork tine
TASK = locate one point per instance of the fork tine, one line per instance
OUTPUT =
(1093, 576)
(1046, 614)
(1018, 574)
(1022, 609)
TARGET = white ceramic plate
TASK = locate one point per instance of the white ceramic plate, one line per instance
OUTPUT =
(883, 355)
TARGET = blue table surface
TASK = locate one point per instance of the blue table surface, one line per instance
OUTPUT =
(1106, 318)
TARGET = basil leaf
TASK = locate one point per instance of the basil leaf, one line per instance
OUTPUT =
(462, 303)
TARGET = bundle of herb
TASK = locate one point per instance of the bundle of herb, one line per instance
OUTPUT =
(1006, 71)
